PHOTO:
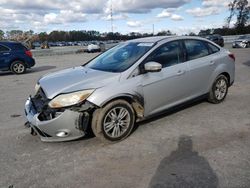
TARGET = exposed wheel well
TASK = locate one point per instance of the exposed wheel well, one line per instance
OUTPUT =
(136, 105)
(227, 75)
(126, 98)
(129, 99)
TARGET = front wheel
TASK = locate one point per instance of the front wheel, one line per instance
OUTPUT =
(18, 67)
(114, 122)
(219, 90)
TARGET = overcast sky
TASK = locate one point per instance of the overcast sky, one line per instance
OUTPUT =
(179, 16)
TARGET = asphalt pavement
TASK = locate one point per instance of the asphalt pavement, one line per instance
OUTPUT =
(198, 145)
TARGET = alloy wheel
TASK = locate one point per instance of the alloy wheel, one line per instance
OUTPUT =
(220, 89)
(116, 122)
(18, 68)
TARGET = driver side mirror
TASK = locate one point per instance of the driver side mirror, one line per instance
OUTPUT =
(152, 67)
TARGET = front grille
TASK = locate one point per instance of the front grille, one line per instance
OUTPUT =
(40, 102)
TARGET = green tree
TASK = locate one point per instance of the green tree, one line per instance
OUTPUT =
(191, 34)
(243, 13)
(205, 32)
(14, 34)
(1, 35)
(164, 33)
(241, 10)
(231, 6)
(43, 36)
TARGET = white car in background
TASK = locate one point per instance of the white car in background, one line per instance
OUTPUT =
(242, 42)
(93, 48)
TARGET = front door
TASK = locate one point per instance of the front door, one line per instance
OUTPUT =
(168, 87)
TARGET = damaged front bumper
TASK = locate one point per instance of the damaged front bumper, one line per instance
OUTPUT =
(66, 125)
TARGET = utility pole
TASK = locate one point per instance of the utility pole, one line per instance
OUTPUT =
(111, 17)
(153, 29)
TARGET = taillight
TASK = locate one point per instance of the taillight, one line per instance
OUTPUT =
(231, 56)
(28, 53)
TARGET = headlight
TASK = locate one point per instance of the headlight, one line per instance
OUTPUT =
(37, 87)
(70, 99)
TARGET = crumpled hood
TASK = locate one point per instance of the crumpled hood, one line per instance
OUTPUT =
(75, 79)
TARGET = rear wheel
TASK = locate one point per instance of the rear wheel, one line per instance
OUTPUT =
(219, 90)
(18, 67)
(113, 122)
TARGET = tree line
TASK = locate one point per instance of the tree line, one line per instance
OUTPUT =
(238, 9)
(72, 36)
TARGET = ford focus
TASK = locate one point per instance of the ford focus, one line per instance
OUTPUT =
(126, 84)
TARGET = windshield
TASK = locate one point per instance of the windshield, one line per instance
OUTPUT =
(121, 57)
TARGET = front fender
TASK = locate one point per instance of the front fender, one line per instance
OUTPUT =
(129, 90)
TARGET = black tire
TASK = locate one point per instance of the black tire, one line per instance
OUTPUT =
(216, 94)
(103, 115)
(18, 67)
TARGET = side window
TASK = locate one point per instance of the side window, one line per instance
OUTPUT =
(3, 49)
(19, 47)
(216, 38)
(213, 48)
(168, 54)
(196, 49)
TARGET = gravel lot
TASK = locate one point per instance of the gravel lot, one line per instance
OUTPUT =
(212, 140)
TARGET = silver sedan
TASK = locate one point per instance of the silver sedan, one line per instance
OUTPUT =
(126, 84)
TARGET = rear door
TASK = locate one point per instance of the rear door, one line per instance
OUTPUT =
(201, 63)
(4, 57)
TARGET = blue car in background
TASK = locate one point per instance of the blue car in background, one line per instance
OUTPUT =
(14, 56)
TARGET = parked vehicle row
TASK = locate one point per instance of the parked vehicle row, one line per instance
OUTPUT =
(76, 43)
(126, 84)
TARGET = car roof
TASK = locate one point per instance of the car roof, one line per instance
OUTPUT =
(160, 38)
(151, 39)
(9, 42)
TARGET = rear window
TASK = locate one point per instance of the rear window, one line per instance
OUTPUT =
(213, 48)
(18, 47)
(196, 49)
(3, 49)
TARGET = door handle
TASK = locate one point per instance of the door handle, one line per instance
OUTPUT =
(6, 53)
(180, 72)
(212, 62)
